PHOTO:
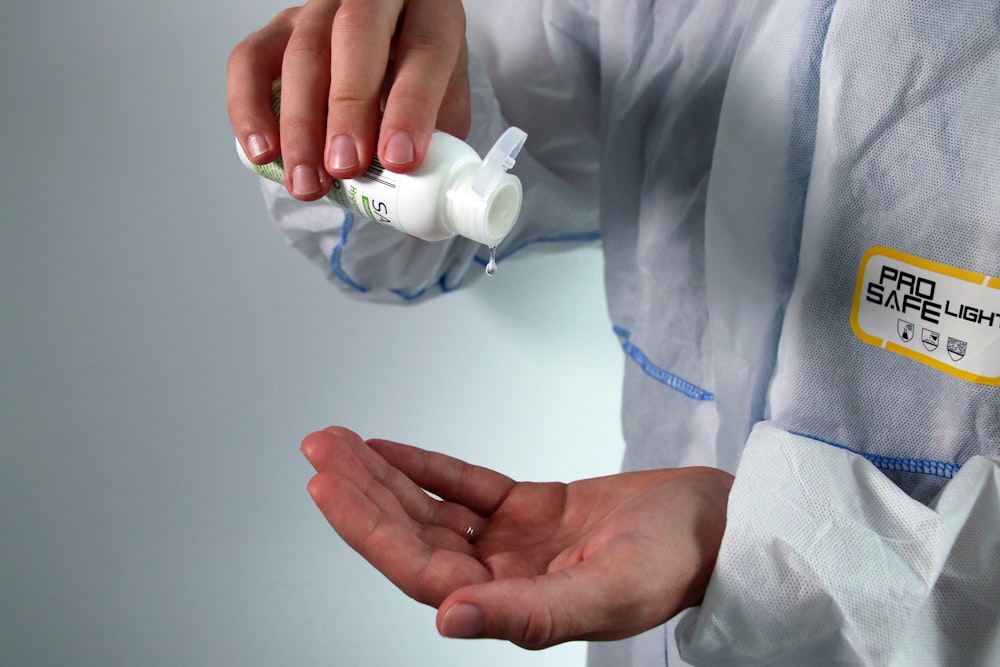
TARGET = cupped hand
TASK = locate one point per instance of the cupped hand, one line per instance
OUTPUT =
(338, 60)
(533, 563)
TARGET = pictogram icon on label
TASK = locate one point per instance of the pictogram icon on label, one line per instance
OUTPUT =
(905, 330)
(941, 316)
(930, 339)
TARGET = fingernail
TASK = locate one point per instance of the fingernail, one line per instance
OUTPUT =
(257, 143)
(399, 149)
(343, 153)
(463, 621)
(306, 180)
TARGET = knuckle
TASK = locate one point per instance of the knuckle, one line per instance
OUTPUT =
(450, 12)
(537, 629)
(537, 633)
(288, 15)
(359, 14)
(427, 41)
(348, 94)
(417, 99)
(432, 46)
(310, 33)
(244, 59)
(294, 126)
(241, 53)
(307, 45)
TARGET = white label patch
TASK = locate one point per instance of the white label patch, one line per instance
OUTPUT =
(943, 317)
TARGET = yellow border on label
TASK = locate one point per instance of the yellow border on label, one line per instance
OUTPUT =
(978, 279)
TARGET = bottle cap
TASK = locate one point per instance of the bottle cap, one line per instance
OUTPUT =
(498, 161)
(486, 202)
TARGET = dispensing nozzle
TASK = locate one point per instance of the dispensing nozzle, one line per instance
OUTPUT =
(498, 161)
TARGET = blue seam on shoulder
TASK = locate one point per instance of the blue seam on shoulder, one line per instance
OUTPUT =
(442, 284)
(405, 296)
(897, 464)
(335, 266)
(445, 287)
(660, 374)
(338, 270)
(581, 237)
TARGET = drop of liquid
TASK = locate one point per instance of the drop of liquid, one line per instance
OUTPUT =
(491, 266)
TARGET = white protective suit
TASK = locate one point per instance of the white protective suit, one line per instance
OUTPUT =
(799, 206)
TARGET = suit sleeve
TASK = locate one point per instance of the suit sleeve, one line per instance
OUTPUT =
(825, 561)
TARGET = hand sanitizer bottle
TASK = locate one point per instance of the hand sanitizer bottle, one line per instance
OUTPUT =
(453, 192)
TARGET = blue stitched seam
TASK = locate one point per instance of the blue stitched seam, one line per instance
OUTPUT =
(445, 287)
(409, 296)
(897, 464)
(335, 266)
(661, 375)
(338, 270)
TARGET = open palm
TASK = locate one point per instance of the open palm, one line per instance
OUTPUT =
(534, 563)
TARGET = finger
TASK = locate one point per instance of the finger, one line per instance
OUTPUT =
(252, 67)
(305, 77)
(480, 489)
(360, 42)
(387, 502)
(455, 114)
(339, 452)
(392, 543)
(608, 596)
(427, 56)
(343, 452)
(322, 448)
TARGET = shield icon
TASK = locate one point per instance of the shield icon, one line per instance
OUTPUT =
(956, 348)
(905, 330)
(931, 339)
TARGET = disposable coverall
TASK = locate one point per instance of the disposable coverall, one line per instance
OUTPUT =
(799, 207)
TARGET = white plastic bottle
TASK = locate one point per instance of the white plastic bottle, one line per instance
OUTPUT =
(453, 192)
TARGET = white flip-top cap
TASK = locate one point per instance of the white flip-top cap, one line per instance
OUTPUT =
(498, 161)
(486, 203)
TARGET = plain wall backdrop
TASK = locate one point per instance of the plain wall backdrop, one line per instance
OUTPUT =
(163, 351)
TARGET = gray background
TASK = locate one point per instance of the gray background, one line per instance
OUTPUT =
(163, 352)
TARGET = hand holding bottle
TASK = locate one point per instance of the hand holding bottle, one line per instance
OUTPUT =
(338, 61)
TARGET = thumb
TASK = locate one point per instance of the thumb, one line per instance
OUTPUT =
(587, 601)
